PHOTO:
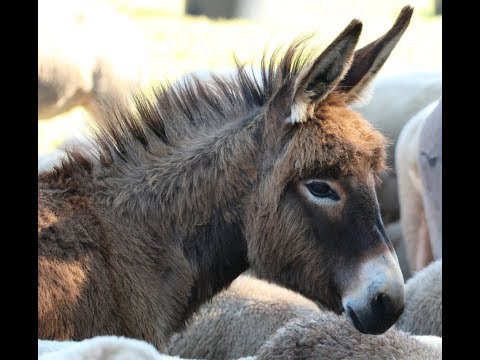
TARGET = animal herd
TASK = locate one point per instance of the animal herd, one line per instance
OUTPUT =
(249, 215)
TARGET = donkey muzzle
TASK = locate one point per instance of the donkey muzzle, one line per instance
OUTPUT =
(375, 302)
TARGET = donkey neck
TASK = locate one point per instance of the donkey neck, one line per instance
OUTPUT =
(194, 179)
(196, 194)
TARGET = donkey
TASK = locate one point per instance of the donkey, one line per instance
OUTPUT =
(180, 195)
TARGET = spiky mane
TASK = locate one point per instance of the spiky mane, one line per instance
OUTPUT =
(173, 113)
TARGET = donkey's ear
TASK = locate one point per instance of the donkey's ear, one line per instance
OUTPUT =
(321, 76)
(368, 60)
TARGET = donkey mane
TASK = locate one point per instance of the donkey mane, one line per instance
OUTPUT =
(160, 120)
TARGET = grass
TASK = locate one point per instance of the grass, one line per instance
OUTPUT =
(181, 44)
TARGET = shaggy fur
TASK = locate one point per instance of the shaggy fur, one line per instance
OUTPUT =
(423, 303)
(120, 348)
(239, 320)
(327, 336)
(185, 192)
(99, 348)
(432, 340)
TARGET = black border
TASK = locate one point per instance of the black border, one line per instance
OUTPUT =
(459, 160)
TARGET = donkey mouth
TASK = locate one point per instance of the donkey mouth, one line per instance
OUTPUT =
(356, 322)
(337, 308)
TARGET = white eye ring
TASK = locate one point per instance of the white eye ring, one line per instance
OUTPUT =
(320, 192)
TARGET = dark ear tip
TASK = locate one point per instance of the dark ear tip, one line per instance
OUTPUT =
(405, 15)
(407, 9)
(356, 24)
(354, 28)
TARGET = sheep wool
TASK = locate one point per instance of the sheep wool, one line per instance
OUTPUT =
(423, 302)
(328, 336)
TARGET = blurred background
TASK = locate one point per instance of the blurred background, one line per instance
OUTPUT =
(150, 41)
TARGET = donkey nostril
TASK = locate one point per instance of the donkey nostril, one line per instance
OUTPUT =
(382, 304)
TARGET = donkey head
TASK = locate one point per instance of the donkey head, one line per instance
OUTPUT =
(314, 223)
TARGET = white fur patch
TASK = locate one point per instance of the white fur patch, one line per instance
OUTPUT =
(317, 200)
(433, 341)
(380, 274)
(363, 97)
(99, 348)
(298, 113)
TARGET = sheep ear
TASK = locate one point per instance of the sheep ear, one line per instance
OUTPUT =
(368, 60)
(320, 77)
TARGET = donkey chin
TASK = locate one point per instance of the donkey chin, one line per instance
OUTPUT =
(375, 302)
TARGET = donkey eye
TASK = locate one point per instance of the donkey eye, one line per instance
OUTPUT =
(322, 190)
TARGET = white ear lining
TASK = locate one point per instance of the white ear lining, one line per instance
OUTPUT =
(298, 113)
(302, 101)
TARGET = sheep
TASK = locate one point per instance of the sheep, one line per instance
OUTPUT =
(103, 348)
(99, 348)
(404, 94)
(222, 328)
(328, 336)
(255, 320)
(423, 302)
(309, 342)
(429, 160)
(239, 321)
(86, 52)
(416, 227)
(432, 340)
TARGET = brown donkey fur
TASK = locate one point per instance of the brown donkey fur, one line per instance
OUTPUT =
(182, 194)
